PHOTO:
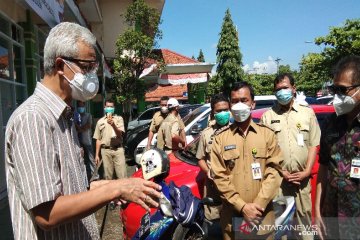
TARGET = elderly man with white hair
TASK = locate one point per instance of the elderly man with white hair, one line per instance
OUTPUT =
(44, 168)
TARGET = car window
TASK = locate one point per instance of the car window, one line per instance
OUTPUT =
(264, 103)
(194, 114)
(147, 115)
(188, 109)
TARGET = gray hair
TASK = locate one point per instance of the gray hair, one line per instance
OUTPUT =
(62, 41)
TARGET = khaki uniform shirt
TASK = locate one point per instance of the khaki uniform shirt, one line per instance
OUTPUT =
(106, 134)
(205, 143)
(287, 125)
(231, 158)
(157, 119)
(171, 126)
(210, 190)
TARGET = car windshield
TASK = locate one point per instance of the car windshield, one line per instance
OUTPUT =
(184, 111)
(188, 155)
(194, 114)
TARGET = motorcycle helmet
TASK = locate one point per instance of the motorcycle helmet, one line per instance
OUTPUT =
(154, 163)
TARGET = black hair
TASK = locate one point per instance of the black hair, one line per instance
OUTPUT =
(243, 84)
(351, 63)
(109, 101)
(164, 98)
(218, 98)
(281, 77)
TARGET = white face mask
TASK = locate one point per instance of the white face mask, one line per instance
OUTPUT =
(344, 104)
(164, 110)
(83, 86)
(240, 112)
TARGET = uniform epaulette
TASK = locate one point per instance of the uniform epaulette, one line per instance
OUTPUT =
(263, 125)
(222, 129)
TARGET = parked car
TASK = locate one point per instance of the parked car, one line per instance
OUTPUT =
(137, 134)
(326, 99)
(194, 123)
(143, 118)
(264, 101)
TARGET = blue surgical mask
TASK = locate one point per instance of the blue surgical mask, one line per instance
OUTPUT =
(284, 96)
(81, 109)
(109, 110)
(222, 118)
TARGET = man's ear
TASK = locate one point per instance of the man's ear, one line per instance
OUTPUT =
(59, 66)
(294, 89)
(253, 105)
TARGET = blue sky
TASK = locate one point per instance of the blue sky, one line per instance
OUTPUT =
(268, 29)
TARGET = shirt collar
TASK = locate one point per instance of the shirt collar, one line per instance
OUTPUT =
(55, 104)
(277, 107)
(252, 127)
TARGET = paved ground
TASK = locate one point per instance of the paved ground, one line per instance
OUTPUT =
(112, 227)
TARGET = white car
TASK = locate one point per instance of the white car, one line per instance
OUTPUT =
(194, 122)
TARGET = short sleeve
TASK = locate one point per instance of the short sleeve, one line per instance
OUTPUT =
(200, 153)
(35, 165)
(152, 125)
(175, 127)
(314, 137)
(120, 123)
(97, 134)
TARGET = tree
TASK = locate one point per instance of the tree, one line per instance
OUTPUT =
(134, 48)
(201, 57)
(316, 68)
(229, 57)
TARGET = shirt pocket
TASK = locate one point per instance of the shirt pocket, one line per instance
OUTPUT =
(260, 157)
(231, 160)
(305, 131)
(276, 127)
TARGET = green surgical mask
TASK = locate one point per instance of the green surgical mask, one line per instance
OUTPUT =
(222, 118)
(109, 110)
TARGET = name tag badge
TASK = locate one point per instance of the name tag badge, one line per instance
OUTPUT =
(300, 139)
(355, 168)
(256, 170)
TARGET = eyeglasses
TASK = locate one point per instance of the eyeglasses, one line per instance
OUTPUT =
(333, 89)
(84, 64)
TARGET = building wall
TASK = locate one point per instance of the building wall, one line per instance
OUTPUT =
(113, 24)
(13, 10)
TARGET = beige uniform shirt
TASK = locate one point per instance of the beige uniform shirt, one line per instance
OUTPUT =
(287, 125)
(157, 119)
(231, 158)
(106, 134)
(171, 126)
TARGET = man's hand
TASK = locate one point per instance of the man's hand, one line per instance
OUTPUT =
(252, 212)
(297, 177)
(288, 177)
(97, 160)
(111, 121)
(139, 191)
